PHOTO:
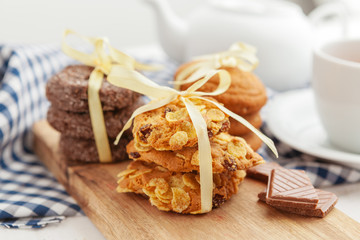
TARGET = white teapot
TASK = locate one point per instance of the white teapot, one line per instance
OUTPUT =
(279, 30)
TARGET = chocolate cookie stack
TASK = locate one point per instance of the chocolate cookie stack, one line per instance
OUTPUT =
(165, 158)
(245, 97)
(69, 113)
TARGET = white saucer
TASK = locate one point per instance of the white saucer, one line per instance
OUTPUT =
(292, 118)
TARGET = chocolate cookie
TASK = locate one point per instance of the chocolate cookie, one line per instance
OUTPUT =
(170, 127)
(246, 94)
(238, 129)
(84, 150)
(176, 191)
(67, 91)
(78, 125)
(228, 153)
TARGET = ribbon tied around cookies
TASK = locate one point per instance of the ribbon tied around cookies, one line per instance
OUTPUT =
(161, 95)
(239, 55)
(103, 58)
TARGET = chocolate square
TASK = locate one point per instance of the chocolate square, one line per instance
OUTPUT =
(291, 188)
(327, 201)
(262, 171)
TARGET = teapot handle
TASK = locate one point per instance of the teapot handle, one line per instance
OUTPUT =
(328, 10)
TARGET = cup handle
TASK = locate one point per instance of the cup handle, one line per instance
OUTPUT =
(328, 10)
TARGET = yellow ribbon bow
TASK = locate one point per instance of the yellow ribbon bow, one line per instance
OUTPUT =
(161, 95)
(103, 58)
(240, 55)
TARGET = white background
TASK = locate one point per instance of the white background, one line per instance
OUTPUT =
(125, 22)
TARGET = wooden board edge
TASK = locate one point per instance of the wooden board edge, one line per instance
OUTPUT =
(48, 149)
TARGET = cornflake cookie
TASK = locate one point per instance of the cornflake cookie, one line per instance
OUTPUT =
(84, 150)
(67, 90)
(78, 125)
(246, 94)
(176, 191)
(228, 153)
(170, 127)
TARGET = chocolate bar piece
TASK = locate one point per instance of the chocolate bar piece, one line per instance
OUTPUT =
(262, 195)
(262, 171)
(327, 201)
(291, 188)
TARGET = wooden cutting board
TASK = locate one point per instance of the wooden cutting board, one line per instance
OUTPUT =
(130, 216)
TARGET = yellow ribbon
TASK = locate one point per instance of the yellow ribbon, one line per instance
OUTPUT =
(240, 55)
(103, 58)
(161, 95)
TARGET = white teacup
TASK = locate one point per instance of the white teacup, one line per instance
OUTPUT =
(336, 84)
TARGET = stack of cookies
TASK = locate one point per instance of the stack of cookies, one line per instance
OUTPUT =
(245, 97)
(69, 113)
(165, 156)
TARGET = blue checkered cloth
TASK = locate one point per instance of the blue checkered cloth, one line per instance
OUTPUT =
(30, 197)
(27, 189)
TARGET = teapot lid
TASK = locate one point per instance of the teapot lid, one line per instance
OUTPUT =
(259, 7)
